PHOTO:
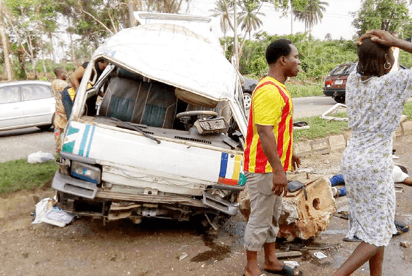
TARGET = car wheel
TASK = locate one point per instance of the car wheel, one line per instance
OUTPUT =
(247, 100)
(45, 127)
(340, 99)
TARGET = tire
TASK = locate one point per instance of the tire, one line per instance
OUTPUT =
(45, 127)
(247, 100)
(340, 99)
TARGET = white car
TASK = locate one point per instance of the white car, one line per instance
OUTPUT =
(167, 138)
(26, 104)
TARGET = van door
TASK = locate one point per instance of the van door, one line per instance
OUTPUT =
(11, 111)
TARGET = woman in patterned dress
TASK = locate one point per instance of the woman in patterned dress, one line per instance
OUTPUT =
(374, 99)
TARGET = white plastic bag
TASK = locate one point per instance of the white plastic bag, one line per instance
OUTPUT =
(40, 157)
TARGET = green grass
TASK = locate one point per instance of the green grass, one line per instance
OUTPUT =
(407, 110)
(307, 90)
(19, 175)
(320, 128)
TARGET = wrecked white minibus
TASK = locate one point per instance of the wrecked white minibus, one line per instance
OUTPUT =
(166, 138)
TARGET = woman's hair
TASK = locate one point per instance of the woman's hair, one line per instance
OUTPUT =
(372, 58)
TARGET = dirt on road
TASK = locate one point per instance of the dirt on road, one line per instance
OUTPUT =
(163, 247)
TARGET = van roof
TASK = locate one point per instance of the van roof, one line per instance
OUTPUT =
(174, 55)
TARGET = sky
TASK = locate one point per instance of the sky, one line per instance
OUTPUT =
(337, 19)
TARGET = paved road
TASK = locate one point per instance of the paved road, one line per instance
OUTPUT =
(312, 106)
(17, 144)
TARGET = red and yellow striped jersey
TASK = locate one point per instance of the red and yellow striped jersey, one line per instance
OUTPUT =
(271, 105)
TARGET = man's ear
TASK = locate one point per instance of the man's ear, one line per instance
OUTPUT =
(282, 60)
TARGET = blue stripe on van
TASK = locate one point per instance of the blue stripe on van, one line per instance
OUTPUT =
(90, 141)
(84, 139)
(223, 165)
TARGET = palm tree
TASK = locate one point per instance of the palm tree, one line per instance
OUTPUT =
(312, 14)
(248, 18)
(222, 9)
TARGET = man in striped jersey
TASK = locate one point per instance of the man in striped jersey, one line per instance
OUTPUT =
(268, 155)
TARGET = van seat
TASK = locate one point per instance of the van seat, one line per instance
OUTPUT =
(136, 101)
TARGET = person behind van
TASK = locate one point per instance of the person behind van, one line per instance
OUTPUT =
(69, 94)
(268, 155)
(77, 75)
(60, 119)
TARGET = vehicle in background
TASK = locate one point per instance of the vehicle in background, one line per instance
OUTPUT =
(167, 139)
(26, 104)
(247, 87)
(335, 83)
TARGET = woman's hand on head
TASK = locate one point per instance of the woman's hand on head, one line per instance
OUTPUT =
(378, 36)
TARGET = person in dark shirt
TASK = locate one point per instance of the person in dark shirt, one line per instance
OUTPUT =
(69, 93)
(77, 75)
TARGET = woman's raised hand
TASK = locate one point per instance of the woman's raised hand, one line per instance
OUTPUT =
(379, 36)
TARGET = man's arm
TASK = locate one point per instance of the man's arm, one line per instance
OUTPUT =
(76, 76)
(268, 143)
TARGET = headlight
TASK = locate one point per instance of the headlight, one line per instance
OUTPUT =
(86, 172)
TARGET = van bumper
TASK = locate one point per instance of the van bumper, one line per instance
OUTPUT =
(67, 184)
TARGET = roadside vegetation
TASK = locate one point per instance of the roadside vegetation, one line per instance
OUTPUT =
(320, 128)
(18, 175)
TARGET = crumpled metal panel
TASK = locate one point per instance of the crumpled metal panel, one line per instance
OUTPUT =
(301, 218)
(174, 55)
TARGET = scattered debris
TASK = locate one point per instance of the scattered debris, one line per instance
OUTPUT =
(184, 255)
(313, 246)
(301, 125)
(354, 239)
(319, 255)
(399, 189)
(342, 215)
(46, 211)
(334, 110)
(401, 227)
(289, 254)
(405, 244)
(306, 218)
(291, 264)
(304, 215)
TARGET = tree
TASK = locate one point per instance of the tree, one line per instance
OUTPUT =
(166, 6)
(5, 43)
(223, 10)
(23, 22)
(388, 15)
(249, 16)
(310, 12)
